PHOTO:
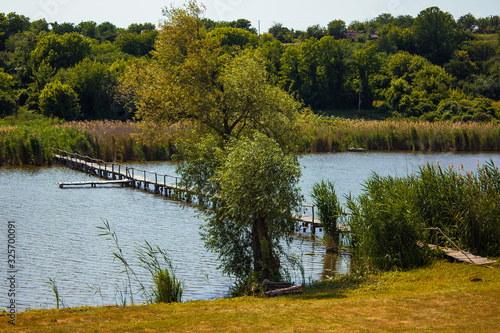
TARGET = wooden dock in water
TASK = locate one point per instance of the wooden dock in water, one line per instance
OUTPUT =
(94, 183)
(167, 185)
(115, 173)
(463, 256)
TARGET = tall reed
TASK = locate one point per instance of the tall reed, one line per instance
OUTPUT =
(389, 220)
(166, 287)
(330, 135)
(385, 227)
(329, 212)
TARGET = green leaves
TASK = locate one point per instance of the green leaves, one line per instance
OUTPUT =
(252, 185)
(59, 100)
(329, 208)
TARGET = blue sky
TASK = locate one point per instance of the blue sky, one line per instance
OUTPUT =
(291, 13)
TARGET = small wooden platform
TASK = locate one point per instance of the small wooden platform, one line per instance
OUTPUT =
(94, 183)
(463, 256)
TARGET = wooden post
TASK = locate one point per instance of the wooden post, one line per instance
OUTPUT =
(313, 227)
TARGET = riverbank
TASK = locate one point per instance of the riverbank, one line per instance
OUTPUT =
(443, 297)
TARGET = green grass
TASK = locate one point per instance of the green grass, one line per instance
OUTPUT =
(441, 297)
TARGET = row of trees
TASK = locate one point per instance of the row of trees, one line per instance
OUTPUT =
(430, 66)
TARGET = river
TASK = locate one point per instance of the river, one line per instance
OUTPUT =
(57, 235)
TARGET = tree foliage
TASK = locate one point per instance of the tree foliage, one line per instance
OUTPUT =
(436, 36)
(60, 51)
(59, 100)
(307, 64)
(191, 78)
(254, 208)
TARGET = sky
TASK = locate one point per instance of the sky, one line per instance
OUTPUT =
(294, 14)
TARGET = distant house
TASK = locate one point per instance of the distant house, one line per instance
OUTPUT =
(475, 29)
(351, 34)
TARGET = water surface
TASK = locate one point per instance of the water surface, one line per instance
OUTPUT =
(57, 234)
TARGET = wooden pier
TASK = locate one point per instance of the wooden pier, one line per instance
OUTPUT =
(115, 173)
(464, 256)
(167, 185)
(94, 183)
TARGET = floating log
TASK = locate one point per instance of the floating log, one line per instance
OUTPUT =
(352, 149)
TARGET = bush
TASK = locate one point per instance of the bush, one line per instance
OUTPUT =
(8, 105)
(59, 100)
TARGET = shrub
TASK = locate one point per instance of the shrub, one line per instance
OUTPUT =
(59, 100)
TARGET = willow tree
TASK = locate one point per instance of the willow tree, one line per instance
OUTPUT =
(243, 160)
(257, 197)
(191, 78)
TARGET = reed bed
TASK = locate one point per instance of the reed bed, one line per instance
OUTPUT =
(389, 220)
(122, 141)
(330, 135)
(29, 142)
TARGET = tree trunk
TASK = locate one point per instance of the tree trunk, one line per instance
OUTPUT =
(331, 244)
(264, 261)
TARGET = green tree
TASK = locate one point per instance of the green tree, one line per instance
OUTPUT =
(190, 79)
(315, 31)
(11, 24)
(59, 100)
(234, 38)
(436, 35)
(257, 197)
(61, 51)
(281, 33)
(63, 28)
(7, 101)
(20, 47)
(93, 82)
(88, 29)
(139, 28)
(404, 65)
(251, 125)
(336, 28)
(461, 66)
(107, 31)
(136, 44)
(467, 22)
(366, 62)
(272, 50)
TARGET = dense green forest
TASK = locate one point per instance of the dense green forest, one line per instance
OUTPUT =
(431, 67)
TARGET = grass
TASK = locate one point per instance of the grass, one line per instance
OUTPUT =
(441, 297)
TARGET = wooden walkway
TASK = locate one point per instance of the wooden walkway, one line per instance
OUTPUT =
(94, 183)
(115, 173)
(463, 256)
(167, 185)
(457, 253)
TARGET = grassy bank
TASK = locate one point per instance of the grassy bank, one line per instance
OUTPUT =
(442, 297)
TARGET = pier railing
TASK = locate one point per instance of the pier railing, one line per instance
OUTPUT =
(162, 183)
(112, 168)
